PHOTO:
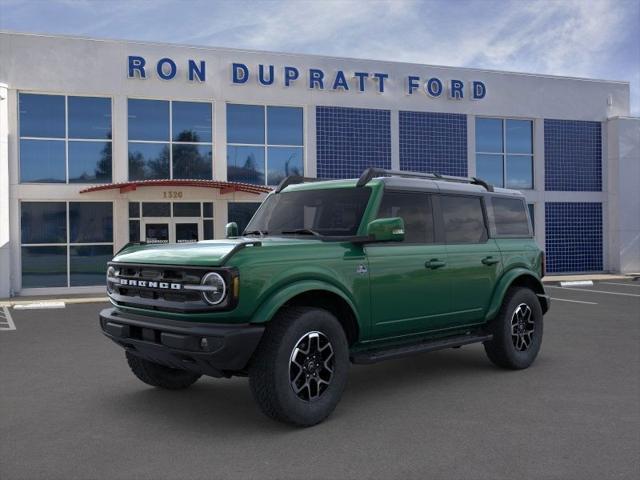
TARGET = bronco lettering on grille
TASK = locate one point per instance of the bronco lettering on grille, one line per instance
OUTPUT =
(145, 283)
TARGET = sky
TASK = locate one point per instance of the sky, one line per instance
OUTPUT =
(579, 38)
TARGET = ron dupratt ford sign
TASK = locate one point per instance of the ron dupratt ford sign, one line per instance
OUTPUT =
(313, 78)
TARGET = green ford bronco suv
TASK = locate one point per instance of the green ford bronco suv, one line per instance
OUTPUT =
(328, 273)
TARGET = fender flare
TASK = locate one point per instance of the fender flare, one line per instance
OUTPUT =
(274, 302)
(505, 282)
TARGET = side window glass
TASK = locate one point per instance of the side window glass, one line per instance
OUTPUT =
(510, 217)
(415, 210)
(463, 219)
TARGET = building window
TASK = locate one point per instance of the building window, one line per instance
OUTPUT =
(241, 213)
(65, 139)
(572, 155)
(207, 221)
(264, 144)
(573, 237)
(504, 152)
(170, 140)
(65, 244)
(349, 140)
(433, 142)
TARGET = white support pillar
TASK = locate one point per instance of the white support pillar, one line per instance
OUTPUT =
(5, 243)
(220, 141)
(471, 145)
(120, 136)
(310, 158)
(623, 194)
(538, 182)
(395, 140)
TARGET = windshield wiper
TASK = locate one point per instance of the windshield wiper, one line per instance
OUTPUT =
(302, 231)
(255, 232)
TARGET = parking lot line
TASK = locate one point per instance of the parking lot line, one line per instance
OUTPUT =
(6, 322)
(622, 284)
(594, 291)
(573, 301)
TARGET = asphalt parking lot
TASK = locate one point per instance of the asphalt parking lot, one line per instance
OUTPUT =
(70, 408)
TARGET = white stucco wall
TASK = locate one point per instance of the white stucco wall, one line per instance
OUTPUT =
(623, 158)
(5, 245)
(58, 64)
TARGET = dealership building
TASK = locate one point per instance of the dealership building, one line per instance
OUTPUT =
(103, 142)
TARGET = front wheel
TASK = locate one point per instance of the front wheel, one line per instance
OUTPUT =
(517, 330)
(299, 370)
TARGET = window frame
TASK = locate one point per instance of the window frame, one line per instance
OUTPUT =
(432, 201)
(493, 230)
(67, 244)
(483, 209)
(266, 145)
(170, 142)
(66, 139)
(504, 154)
(140, 217)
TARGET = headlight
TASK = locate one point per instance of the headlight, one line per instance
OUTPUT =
(111, 272)
(215, 290)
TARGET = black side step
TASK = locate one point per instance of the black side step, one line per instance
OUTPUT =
(378, 355)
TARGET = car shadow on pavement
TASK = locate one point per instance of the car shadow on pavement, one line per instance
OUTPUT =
(226, 407)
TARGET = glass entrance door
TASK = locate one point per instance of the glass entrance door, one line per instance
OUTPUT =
(187, 230)
(156, 231)
(172, 230)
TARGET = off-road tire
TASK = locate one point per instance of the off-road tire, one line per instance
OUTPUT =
(270, 369)
(502, 349)
(160, 376)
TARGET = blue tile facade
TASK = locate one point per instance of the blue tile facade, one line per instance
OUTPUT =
(573, 155)
(348, 140)
(433, 142)
(573, 236)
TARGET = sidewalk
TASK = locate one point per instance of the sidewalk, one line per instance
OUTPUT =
(592, 276)
(98, 298)
(69, 299)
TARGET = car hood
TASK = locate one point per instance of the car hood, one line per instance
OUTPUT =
(206, 253)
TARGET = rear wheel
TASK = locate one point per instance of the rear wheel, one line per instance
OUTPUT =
(517, 330)
(160, 376)
(299, 370)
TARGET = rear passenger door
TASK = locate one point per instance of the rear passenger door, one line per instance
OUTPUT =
(410, 290)
(474, 261)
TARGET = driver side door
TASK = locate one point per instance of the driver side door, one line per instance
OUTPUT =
(409, 280)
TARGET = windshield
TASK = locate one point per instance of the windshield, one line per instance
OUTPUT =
(329, 212)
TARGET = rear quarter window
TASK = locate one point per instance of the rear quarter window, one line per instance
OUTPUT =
(509, 217)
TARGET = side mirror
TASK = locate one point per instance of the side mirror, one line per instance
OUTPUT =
(231, 230)
(386, 229)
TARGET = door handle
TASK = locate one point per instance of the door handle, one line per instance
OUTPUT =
(490, 260)
(434, 263)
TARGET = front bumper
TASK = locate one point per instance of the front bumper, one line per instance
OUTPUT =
(226, 350)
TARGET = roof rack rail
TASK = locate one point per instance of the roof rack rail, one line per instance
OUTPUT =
(371, 173)
(293, 179)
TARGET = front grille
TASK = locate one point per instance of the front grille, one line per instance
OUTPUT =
(158, 290)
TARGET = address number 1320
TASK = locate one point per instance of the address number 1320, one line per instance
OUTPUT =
(172, 194)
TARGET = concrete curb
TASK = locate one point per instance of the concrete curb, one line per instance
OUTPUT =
(12, 303)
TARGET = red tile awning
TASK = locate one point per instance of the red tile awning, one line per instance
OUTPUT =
(224, 187)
